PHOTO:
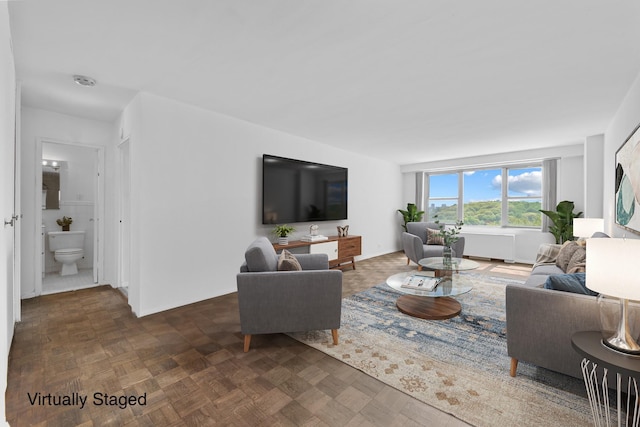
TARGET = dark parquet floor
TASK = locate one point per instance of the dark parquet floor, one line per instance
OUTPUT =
(188, 366)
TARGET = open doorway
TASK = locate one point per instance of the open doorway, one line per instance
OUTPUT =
(69, 189)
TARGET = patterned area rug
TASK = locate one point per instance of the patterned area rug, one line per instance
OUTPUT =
(459, 365)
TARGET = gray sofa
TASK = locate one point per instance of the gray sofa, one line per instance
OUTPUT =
(414, 243)
(272, 301)
(540, 322)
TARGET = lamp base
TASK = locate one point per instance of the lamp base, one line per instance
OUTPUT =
(621, 346)
(622, 339)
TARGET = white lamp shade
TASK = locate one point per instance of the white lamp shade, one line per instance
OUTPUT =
(613, 267)
(585, 227)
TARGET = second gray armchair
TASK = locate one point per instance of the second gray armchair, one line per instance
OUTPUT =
(415, 243)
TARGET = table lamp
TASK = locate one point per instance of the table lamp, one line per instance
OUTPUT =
(585, 227)
(612, 270)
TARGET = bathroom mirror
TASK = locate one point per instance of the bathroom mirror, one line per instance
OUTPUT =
(50, 188)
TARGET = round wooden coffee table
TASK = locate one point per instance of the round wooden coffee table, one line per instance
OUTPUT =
(437, 304)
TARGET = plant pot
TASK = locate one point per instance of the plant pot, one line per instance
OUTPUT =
(66, 227)
(283, 240)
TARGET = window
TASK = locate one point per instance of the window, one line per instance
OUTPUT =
(443, 197)
(507, 196)
(524, 197)
(483, 197)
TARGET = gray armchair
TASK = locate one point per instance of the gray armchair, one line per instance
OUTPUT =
(272, 301)
(414, 243)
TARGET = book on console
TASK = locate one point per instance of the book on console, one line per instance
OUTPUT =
(310, 238)
(420, 282)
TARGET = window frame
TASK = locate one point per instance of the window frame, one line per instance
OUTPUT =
(504, 200)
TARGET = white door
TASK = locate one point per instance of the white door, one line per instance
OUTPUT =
(7, 208)
(124, 262)
(8, 214)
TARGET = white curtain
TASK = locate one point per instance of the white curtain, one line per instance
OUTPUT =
(549, 189)
(420, 190)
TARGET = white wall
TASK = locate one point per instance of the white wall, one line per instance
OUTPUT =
(570, 187)
(593, 173)
(7, 128)
(45, 125)
(196, 192)
(623, 123)
(571, 180)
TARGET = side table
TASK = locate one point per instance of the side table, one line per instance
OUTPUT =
(598, 361)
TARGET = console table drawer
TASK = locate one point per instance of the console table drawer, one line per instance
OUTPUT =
(349, 246)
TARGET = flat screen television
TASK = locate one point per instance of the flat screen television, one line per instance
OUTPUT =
(299, 191)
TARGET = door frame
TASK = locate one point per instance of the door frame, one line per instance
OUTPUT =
(124, 214)
(98, 210)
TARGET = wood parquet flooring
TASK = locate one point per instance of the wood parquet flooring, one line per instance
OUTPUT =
(190, 365)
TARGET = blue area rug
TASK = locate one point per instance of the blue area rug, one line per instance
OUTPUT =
(459, 365)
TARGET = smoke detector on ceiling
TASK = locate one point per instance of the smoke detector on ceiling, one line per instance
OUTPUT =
(84, 80)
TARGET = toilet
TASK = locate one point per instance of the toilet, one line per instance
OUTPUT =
(67, 248)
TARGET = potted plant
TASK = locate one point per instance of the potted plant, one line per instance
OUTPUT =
(283, 231)
(64, 222)
(412, 214)
(562, 217)
(449, 236)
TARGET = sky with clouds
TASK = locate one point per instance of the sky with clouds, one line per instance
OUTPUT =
(483, 185)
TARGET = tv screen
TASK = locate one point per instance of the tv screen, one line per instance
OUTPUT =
(299, 191)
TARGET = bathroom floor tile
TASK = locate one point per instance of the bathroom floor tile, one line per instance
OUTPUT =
(53, 282)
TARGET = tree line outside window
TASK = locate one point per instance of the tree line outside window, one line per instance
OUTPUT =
(495, 197)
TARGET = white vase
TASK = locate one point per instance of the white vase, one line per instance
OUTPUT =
(283, 240)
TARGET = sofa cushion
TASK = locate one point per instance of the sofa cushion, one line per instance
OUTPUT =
(546, 270)
(536, 281)
(260, 256)
(565, 254)
(575, 283)
(288, 262)
(434, 237)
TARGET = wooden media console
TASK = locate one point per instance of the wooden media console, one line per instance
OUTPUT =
(341, 250)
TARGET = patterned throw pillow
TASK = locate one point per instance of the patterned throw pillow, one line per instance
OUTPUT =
(434, 237)
(565, 254)
(578, 261)
(288, 262)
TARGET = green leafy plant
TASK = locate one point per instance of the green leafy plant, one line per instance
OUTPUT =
(412, 214)
(65, 221)
(562, 217)
(449, 235)
(283, 230)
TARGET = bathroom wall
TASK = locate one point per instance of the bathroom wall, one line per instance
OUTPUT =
(77, 199)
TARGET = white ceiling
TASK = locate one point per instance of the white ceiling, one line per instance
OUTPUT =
(406, 81)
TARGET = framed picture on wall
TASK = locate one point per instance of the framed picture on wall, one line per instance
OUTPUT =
(627, 191)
